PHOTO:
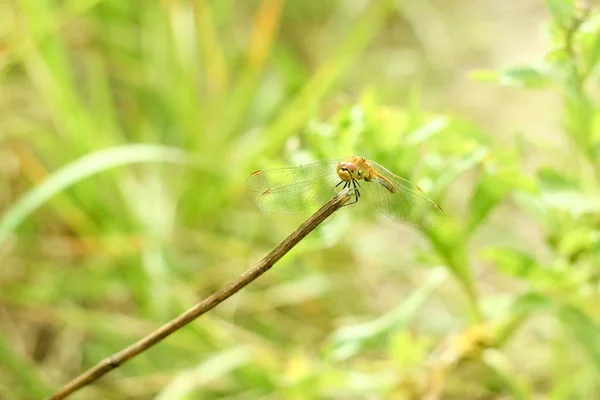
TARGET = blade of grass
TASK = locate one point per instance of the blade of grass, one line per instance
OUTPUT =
(349, 340)
(35, 171)
(81, 169)
(212, 369)
(295, 114)
(20, 45)
(50, 69)
(20, 367)
(213, 56)
(264, 31)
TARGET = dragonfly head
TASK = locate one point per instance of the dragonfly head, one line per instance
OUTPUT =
(348, 170)
(354, 168)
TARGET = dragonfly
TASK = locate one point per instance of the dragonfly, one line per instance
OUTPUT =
(305, 188)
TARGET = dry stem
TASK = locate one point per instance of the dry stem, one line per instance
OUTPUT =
(117, 359)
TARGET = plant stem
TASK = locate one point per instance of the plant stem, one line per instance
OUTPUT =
(117, 359)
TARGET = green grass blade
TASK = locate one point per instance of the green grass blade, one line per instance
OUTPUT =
(81, 169)
(21, 368)
(349, 340)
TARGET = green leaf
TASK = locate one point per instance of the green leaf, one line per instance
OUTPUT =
(576, 240)
(585, 330)
(489, 192)
(81, 169)
(347, 341)
(409, 350)
(572, 202)
(510, 261)
(540, 204)
(503, 174)
(519, 311)
(525, 77)
(433, 127)
(531, 302)
(457, 168)
(563, 11)
(484, 75)
(589, 39)
(498, 363)
(551, 178)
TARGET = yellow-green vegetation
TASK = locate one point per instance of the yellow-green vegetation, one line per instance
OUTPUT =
(128, 128)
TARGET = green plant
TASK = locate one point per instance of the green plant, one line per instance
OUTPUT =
(501, 300)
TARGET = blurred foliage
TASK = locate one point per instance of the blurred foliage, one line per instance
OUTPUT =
(125, 139)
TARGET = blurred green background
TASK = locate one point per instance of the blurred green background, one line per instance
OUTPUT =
(127, 130)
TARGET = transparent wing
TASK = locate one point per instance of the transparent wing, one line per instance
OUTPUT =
(301, 199)
(299, 189)
(407, 204)
(290, 177)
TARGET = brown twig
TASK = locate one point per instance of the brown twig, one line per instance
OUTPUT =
(207, 304)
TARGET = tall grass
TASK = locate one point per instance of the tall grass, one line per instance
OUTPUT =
(103, 241)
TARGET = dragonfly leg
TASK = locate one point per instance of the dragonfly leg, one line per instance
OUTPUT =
(355, 192)
(355, 184)
(353, 201)
(343, 187)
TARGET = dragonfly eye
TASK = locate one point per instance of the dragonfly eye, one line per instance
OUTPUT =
(346, 170)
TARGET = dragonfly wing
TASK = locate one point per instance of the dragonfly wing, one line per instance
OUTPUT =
(299, 199)
(280, 178)
(407, 204)
(300, 189)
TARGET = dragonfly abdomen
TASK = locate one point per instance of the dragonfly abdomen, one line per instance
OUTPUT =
(385, 182)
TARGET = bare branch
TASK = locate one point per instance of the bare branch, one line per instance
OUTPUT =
(207, 304)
